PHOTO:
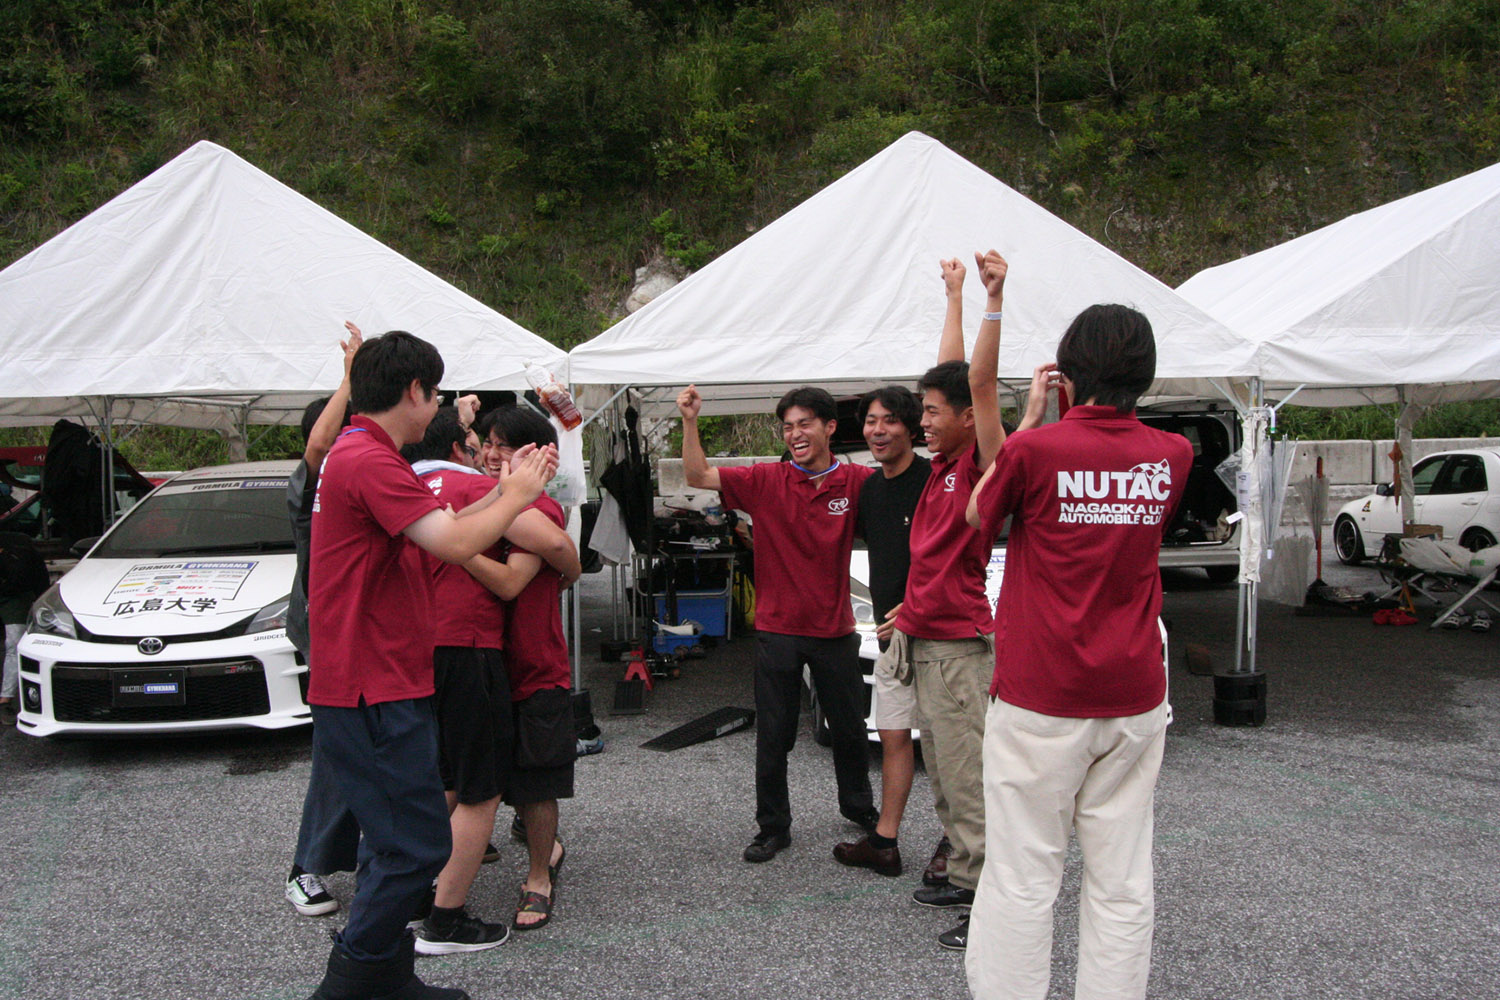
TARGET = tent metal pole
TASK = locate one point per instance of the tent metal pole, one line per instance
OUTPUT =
(109, 463)
(603, 407)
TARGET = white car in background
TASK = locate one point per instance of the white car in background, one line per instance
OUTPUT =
(1457, 490)
(175, 620)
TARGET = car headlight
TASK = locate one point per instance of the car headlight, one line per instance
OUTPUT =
(272, 616)
(864, 613)
(49, 614)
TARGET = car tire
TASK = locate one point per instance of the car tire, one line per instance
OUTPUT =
(1347, 542)
(1477, 538)
(1222, 574)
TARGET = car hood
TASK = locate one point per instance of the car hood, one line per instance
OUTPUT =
(174, 596)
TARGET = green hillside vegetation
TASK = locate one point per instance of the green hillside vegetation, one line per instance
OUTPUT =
(536, 153)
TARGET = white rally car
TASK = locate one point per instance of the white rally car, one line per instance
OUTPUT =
(175, 620)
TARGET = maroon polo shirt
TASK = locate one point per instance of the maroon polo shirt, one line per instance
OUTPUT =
(536, 657)
(804, 531)
(945, 596)
(466, 612)
(1076, 627)
(369, 601)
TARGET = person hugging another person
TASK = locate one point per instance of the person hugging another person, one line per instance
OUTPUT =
(540, 674)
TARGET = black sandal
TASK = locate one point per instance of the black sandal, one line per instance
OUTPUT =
(533, 902)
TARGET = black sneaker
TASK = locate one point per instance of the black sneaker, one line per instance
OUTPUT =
(944, 896)
(465, 933)
(958, 938)
(765, 846)
(306, 892)
(518, 829)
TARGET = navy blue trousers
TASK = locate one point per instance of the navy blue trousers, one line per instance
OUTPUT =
(328, 836)
(383, 761)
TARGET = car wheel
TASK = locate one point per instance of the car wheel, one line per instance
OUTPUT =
(1347, 542)
(1477, 538)
(1222, 574)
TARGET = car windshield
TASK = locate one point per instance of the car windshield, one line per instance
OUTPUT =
(204, 517)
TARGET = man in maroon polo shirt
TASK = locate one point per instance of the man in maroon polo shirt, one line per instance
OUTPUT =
(370, 621)
(1077, 719)
(803, 514)
(944, 626)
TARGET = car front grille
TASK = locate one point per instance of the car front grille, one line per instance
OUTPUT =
(214, 689)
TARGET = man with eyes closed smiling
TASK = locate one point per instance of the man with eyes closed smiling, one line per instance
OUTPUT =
(804, 515)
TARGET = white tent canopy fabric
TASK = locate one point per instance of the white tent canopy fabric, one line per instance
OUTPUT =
(844, 292)
(1403, 295)
(210, 294)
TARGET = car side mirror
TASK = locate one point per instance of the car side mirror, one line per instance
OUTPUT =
(81, 547)
(1384, 490)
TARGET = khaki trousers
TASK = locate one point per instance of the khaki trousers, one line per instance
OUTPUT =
(1044, 777)
(952, 677)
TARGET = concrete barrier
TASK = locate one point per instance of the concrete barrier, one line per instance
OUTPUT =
(1421, 448)
(1344, 462)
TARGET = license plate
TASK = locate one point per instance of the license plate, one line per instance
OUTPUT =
(133, 688)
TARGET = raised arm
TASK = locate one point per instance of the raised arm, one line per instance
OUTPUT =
(1043, 380)
(951, 347)
(695, 468)
(971, 513)
(326, 430)
(458, 539)
(984, 367)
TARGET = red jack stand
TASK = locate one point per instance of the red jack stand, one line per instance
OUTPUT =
(638, 669)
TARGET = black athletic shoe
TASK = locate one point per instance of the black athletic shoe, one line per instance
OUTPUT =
(944, 896)
(765, 846)
(958, 938)
(465, 933)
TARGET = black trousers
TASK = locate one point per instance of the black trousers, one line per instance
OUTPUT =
(383, 760)
(836, 677)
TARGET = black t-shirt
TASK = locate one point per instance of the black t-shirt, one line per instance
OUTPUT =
(885, 509)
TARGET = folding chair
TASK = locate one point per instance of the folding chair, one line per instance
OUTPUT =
(1443, 567)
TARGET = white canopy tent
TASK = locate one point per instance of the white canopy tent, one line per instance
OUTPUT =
(844, 292)
(1406, 294)
(1400, 303)
(211, 295)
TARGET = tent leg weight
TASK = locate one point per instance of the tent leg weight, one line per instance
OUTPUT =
(1240, 699)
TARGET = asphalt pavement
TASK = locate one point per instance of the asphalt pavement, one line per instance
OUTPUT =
(1347, 848)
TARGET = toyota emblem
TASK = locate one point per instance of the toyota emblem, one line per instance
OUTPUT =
(151, 646)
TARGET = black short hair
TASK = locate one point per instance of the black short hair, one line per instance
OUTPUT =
(951, 378)
(1109, 354)
(313, 411)
(438, 440)
(518, 426)
(385, 365)
(898, 399)
(809, 398)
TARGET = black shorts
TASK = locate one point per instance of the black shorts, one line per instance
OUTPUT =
(476, 732)
(546, 749)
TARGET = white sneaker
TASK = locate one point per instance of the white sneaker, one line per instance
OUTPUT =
(309, 896)
(1481, 622)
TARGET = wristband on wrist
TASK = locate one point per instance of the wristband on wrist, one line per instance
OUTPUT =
(995, 316)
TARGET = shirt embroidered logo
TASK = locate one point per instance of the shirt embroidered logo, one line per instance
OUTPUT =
(839, 506)
(949, 482)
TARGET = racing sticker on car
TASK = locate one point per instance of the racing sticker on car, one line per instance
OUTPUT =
(191, 588)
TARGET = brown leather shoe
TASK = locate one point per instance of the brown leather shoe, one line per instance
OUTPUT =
(862, 854)
(936, 872)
